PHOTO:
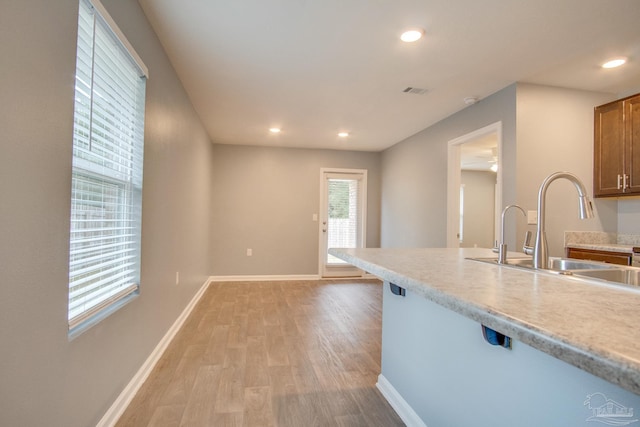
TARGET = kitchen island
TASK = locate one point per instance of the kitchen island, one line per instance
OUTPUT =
(575, 355)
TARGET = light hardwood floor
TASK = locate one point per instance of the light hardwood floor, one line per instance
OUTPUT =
(294, 353)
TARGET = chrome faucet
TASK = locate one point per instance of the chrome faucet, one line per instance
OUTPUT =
(540, 249)
(502, 247)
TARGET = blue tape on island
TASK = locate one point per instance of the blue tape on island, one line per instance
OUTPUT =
(397, 290)
(495, 337)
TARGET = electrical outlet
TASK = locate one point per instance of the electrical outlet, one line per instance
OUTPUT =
(532, 217)
(177, 277)
(249, 252)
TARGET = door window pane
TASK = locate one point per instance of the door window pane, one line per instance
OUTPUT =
(343, 214)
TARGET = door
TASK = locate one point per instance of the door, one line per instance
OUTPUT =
(632, 150)
(487, 138)
(342, 218)
(608, 150)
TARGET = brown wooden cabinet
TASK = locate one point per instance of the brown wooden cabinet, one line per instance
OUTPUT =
(617, 148)
(611, 257)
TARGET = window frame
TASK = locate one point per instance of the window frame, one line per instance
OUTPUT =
(107, 167)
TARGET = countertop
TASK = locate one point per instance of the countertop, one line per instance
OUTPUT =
(601, 241)
(592, 325)
(609, 247)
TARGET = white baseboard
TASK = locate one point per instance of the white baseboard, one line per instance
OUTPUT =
(263, 278)
(402, 408)
(118, 407)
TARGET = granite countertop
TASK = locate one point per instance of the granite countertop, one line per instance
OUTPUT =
(608, 247)
(601, 241)
(591, 325)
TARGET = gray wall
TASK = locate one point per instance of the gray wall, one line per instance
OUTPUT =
(265, 199)
(45, 378)
(629, 215)
(479, 207)
(414, 173)
(545, 129)
(555, 133)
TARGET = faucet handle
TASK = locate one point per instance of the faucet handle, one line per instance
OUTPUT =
(526, 247)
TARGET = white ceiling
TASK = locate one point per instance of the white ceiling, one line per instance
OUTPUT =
(317, 67)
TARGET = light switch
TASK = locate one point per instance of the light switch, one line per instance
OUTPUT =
(249, 252)
(532, 217)
(314, 217)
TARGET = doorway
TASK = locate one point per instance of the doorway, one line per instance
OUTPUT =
(343, 202)
(474, 188)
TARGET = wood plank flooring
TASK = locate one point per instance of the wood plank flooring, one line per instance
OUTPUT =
(294, 353)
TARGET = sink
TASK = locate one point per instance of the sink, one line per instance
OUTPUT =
(563, 264)
(578, 268)
(628, 276)
(556, 264)
(512, 262)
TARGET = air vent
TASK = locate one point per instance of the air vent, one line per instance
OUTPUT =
(415, 90)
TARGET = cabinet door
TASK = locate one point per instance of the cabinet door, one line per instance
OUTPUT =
(632, 137)
(608, 150)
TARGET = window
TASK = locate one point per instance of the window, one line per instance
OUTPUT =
(342, 230)
(106, 187)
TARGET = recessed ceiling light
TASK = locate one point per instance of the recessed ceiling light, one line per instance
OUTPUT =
(614, 63)
(343, 134)
(412, 35)
(274, 130)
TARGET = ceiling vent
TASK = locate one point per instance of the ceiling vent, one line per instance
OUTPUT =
(415, 90)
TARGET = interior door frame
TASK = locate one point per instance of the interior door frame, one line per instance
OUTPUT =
(346, 270)
(453, 181)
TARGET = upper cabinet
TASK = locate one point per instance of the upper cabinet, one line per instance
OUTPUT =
(617, 148)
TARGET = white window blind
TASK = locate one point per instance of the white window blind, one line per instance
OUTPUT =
(108, 141)
(344, 202)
